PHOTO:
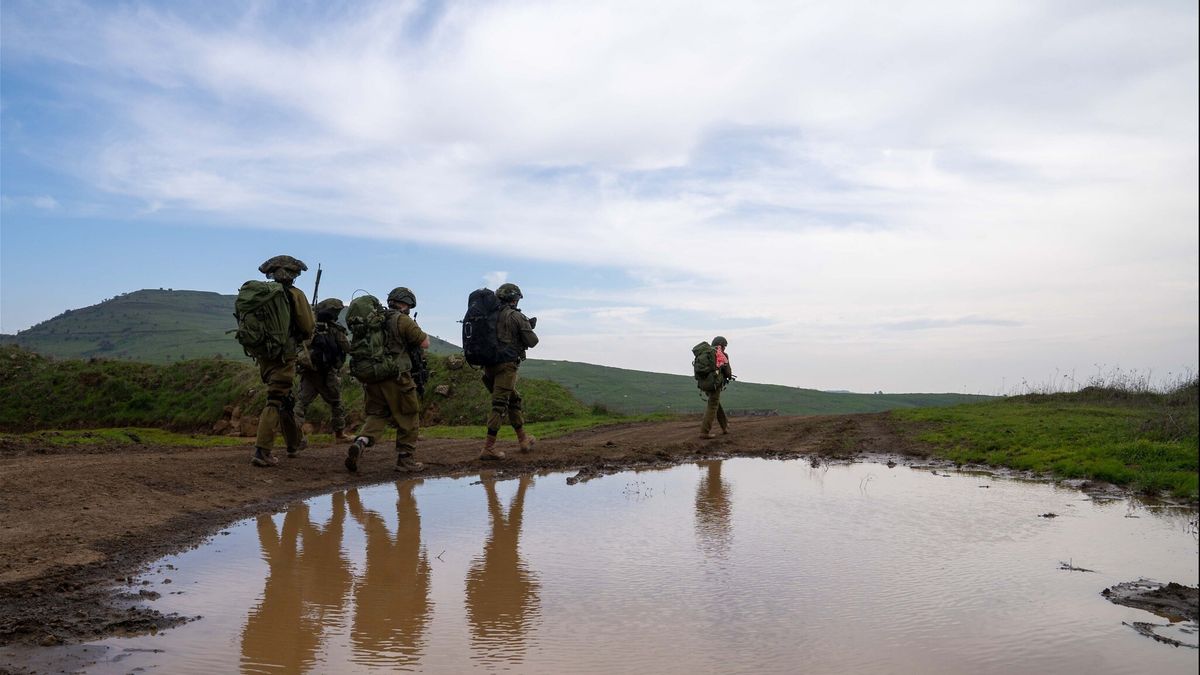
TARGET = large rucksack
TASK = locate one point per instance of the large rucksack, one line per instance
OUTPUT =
(373, 357)
(324, 352)
(264, 318)
(704, 365)
(481, 341)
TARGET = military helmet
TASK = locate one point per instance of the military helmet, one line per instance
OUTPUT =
(402, 294)
(720, 341)
(509, 292)
(328, 309)
(283, 262)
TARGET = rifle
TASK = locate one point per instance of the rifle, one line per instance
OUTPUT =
(420, 366)
(317, 285)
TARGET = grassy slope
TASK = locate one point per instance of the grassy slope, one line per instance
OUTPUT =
(41, 393)
(634, 391)
(161, 326)
(1146, 441)
(152, 326)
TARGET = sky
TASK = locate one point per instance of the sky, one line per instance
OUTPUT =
(926, 196)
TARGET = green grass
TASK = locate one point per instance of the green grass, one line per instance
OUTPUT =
(123, 436)
(635, 391)
(1147, 442)
(550, 429)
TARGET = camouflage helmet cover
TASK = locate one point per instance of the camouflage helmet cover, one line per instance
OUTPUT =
(509, 292)
(283, 262)
(720, 341)
(329, 307)
(402, 294)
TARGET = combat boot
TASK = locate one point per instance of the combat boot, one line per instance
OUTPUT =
(406, 464)
(489, 450)
(354, 452)
(292, 452)
(262, 457)
(339, 435)
(707, 435)
(525, 441)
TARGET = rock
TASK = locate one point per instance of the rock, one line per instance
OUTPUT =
(248, 426)
(221, 427)
(455, 362)
(442, 390)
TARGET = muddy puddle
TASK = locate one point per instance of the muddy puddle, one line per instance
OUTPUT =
(742, 565)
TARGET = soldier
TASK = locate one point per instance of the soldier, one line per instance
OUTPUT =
(394, 400)
(714, 409)
(327, 350)
(278, 374)
(514, 331)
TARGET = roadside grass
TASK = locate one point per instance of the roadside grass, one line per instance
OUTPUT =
(1143, 440)
(549, 429)
(123, 436)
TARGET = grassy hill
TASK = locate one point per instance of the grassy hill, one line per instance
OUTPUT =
(169, 326)
(151, 326)
(633, 391)
(37, 392)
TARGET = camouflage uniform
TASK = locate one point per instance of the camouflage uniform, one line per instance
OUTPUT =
(514, 331)
(394, 401)
(714, 410)
(325, 383)
(279, 375)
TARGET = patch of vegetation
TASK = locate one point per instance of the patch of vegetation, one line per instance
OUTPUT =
(122, 436)
(635, 391)
(43, 393)
(1142, 439)
(551, 429)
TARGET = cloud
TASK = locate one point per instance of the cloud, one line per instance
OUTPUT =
(494, 279)
(836, 168)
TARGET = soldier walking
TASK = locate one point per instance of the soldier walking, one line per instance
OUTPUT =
(720, 377)
(322, 375)
(514, 331)
(393, 400)
(280, 372)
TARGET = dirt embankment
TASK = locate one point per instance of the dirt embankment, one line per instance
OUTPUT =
(75, 522)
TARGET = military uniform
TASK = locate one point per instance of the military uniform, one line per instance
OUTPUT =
(515, 332)
(393, 401)
(714, 411)
(325, 383)
(279, 374)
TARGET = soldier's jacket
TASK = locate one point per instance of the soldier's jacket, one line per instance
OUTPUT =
(303, 321)
(513, 329)
(403, 331)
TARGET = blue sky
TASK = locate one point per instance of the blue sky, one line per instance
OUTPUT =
(925, 196)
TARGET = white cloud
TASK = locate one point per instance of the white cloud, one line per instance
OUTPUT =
(825, 170)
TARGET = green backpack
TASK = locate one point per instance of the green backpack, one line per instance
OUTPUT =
(704, 363)
(372, 356)
(264, 319)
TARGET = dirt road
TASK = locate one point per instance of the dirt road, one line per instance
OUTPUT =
(76, 522)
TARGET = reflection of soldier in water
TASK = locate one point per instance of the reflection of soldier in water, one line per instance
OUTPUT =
(501, 592)
(713, 511)
(306, 589)
(392, 606)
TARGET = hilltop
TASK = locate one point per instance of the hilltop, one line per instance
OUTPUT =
(167, 326)
(151, 326)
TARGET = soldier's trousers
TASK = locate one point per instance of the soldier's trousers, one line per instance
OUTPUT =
(501, 382)
(278, 376)
(395, 402)
(327, 385)
(714, 411)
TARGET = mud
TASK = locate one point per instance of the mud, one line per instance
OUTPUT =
(76, 524)
(1172, 601)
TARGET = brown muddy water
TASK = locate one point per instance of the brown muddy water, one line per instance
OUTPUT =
(742, 565)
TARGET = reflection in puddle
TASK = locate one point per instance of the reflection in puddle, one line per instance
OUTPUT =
(501, 597)
(743, 565)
